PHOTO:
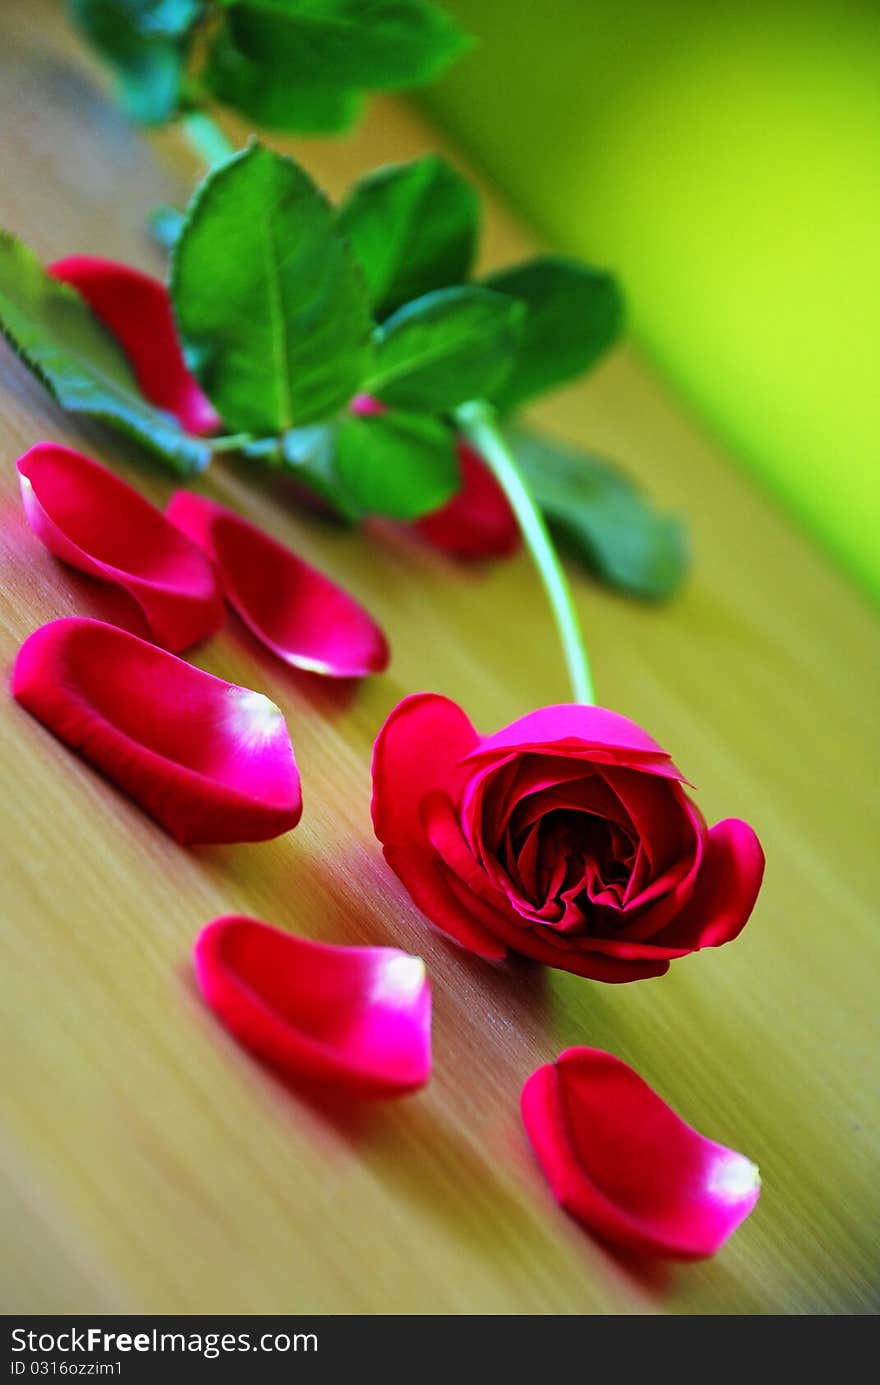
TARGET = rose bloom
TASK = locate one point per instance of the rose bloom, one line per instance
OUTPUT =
(567, 837)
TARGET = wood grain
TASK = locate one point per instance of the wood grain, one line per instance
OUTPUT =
(149, 1164)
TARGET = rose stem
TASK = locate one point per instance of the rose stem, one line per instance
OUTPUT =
(206, 138)
(478, 422)
(231, 442)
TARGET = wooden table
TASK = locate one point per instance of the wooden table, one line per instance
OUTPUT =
(149, 1164)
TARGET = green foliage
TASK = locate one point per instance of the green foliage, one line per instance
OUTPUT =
(263, 91)
(414, 228)
(272, 294)
(573, 314)
(397, 464)
(146, 43)
(602, 517)
(288, 64)
(449, 346)
(349, 43)
(55, 334)
(269, 301)
(309, 454)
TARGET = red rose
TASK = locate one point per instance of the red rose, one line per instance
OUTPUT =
(567, 837)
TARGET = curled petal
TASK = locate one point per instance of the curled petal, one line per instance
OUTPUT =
(136, 310)
(626, 1166)
(573, 727)
(478, 521)
(549, 947)
(210, 761)
(92, 519)
(507, 925)
(354, 1018)
(725, 892)
(415, 755)
(294, 610)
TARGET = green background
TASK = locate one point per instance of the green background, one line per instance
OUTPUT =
(724, 158)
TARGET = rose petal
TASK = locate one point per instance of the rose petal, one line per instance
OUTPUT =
(725, 891)
(657, 809)
(646, 908)
(556, 950)
(478, 521)
(626, 1166)
(498, 789)
(294, 610)
(136, 309)
(415, 754)
(354, 1018)
(210, 761)
(572, 727)
(92, 519)
(508, 926)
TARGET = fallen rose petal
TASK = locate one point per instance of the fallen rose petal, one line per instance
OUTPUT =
(622, 1163)
(210, 761)
(351, 1018)
(92, 519)
(291, 607)
(136, 309)
(478, 521)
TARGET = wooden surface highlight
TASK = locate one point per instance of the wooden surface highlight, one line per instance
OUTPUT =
(149, 1164)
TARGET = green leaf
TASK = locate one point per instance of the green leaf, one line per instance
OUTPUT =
(269, 300)
(264, 91)
(573, 314)
(449, 346)
(396, 464)
(346, 43)
(309, 454)
(414, 228)
(602, 517)
(56, 335)
(146, 42)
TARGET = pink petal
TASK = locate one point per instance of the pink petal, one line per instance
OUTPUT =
(354, 1018)
(478, 521)
(297, 612)
(626, 1166)
(136, 309)
(725, 891)
(415, 754)
(92, 519)
(572, 727)
(210, 761)
(505, 927)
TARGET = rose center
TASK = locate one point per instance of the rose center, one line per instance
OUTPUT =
(575, 856)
